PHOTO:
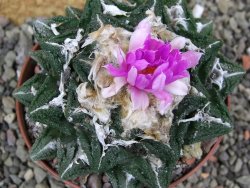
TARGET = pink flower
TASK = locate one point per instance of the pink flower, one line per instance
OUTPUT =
(151, 67)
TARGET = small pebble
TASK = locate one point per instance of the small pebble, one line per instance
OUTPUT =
(8, 102)
(8, 74)
(11, 138)
(8, 162)
(41, 185)
(28, 175)
(40, 174)
(248, 50)
(15, 179)
(204, 175)
(244, 180)
(55, 184)
(224, 5)
(223, 170)
(1, 89)
(4, 21)
(198, 11)
(10, 58)
(14, 170)
(233, 24)
(223, 156)
(21, 153)
(238, 165)
(9, 118)
(241, 19)
(13, 34)
(232, 159)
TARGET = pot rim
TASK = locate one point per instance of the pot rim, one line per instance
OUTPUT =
(44, 165)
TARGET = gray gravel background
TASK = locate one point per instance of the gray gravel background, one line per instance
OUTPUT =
(229, 168)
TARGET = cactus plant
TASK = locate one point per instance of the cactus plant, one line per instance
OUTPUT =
(124, 86)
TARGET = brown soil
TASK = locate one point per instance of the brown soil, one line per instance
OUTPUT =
(19, 10)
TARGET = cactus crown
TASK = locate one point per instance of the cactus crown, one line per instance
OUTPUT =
(88, 133)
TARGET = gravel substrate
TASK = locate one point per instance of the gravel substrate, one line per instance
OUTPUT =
(229, 168)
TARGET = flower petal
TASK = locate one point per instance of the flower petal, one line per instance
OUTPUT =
(192, 57)
(119, 83)
(140, 64)
(178, 42)
(163, 52)
(137, 39)
(184, 74)
(163, 95)
(139, 98)
(178, 87)
(153, 44)
(163, 106)
(180, 67)
(149, 56)
(164, 101)
(141, 81)
(114, 88)
(161, 68)
(120, 56)
(159, 82)
(114, 71)
(132, 74)
(144, 24)
(108, 91)
(140, 35)
(130, 58)
(139, 54)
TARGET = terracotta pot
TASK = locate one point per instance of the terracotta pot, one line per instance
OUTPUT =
(26, 73)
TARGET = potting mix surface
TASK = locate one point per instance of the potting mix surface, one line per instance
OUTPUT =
(228, 168)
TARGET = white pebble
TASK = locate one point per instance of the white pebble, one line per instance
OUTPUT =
(9, 118)
(198, 11)
(248, 50)
(28, 175)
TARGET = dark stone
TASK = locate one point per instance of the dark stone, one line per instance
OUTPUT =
(238, 165)
(10, 149)
(244, 180)
(244, 171)
(223, 156)
(223, 170)
(16, 162)
(15, 179)
(221, 180)
(13, 170)
(6, 171)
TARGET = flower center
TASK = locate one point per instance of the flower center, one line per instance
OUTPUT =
(148, 70)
